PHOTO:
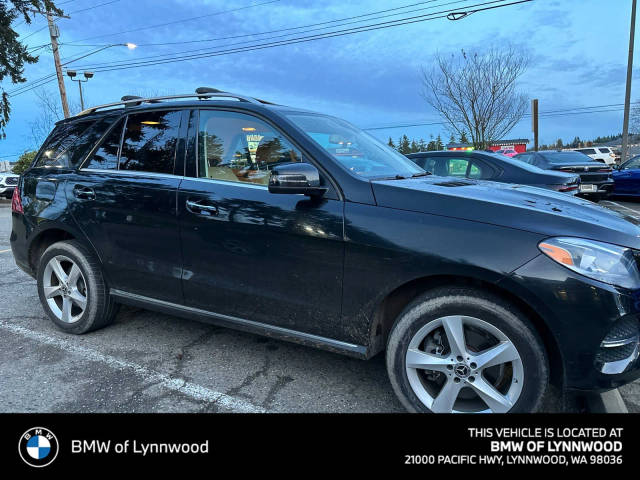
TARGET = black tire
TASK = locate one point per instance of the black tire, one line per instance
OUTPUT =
(456, 300)
(101, 309)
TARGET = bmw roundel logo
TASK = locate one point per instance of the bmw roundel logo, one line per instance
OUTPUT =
(38, 447)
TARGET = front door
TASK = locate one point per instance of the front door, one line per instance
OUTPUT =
(247, 253)
(627, 179)
(124, 200)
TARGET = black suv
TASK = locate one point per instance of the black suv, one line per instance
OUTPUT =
(297, 225)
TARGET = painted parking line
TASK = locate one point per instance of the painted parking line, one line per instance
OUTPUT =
(193, 390)
(5, 251)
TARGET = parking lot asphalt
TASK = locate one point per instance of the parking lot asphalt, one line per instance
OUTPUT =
(150, 362)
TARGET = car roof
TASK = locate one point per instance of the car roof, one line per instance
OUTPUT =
(178, 102)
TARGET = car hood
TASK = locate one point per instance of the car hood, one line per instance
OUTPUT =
(510, 205)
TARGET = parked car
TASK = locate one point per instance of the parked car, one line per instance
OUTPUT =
(495, 167)
(509, 152)
(596, 180)
(239, 212)
(8, 181)
(627, 178)
(599, 154)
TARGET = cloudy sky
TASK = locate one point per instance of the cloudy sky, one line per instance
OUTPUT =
(577, 51)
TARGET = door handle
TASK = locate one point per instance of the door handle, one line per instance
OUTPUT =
(201, 209)
(84, 193)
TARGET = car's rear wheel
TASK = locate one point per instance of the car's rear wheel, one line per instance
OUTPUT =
(460, 349)
(72, 288)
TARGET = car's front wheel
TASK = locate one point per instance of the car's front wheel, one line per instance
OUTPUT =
(72, 288)
(461, 349)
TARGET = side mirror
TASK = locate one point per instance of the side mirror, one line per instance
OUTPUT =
(296, 178)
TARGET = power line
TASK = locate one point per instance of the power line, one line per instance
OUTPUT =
(179, 21)
(92, 7)
(168, 55)
(381, 25)
(337, 33)
(286, 29)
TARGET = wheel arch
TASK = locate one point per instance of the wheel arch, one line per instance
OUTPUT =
(392, 305)
(47, 235)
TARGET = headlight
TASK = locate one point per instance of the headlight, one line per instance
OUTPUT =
(600, 261)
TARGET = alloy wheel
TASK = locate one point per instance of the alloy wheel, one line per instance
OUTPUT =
(65, 289)
(459, 364)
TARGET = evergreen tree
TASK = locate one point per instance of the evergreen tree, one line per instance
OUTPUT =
(439, 144)
(390, 143)
(463, 137)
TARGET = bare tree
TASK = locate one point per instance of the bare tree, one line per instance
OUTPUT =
(48, 111)
(476, 93)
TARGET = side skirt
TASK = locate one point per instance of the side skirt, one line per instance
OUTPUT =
(324, 343)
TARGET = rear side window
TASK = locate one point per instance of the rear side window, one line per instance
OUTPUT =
(106, 156)
(59, 149)
(604, 150)
(150, 140)
(587, 151)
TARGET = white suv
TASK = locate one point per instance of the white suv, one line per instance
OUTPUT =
(8, 181)
(600, 154)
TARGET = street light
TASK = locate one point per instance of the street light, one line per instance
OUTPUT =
(87, 75)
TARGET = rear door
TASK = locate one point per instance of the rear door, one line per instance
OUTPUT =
(124, 200)
(271, 258)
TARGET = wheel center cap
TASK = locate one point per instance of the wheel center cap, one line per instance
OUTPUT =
(461, 370)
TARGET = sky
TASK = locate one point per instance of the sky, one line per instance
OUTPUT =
(577, 51)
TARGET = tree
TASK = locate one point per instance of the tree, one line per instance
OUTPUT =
(463, 137)
(47, 112)
(404, 146)
(390, 143)
(24, 162)
(477, 92)
(13, 53)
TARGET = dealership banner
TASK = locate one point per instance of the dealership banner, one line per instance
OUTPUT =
(65, 442)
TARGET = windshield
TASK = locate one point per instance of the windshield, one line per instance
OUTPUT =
(354, 149)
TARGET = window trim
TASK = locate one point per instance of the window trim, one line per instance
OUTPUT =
(83, 165)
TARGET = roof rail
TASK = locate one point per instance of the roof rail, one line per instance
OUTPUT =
(130, 100)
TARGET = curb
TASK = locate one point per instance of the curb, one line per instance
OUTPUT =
(606, 402)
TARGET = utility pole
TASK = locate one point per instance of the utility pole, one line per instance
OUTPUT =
(55, 33)
(627, 97)
(534, 122)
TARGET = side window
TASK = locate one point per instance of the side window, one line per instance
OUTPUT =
(428, 163)
(58, 149)
(480, 171)
(106, 156)
(634, 163)
(150, 140)
(240, 148)
(458, 167)
(523, 157)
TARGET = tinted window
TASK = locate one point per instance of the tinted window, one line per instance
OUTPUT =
(59, 147)
(480, 171)
(240, 148)
(566, 157)
(604, 150)
(150, 140)
(106, 156)
(587, 151)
